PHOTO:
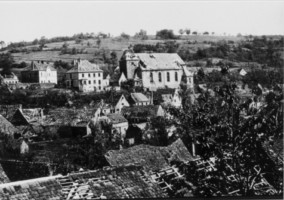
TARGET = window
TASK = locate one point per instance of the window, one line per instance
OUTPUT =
(94, 74)
(160, 77)
(82, 75)
(85, 82)
(99, 81)
(99, 74)
(168, 76)
(99, 87)
(151, 77)
(89, 75)
(176, 76)
(89, 82)
(94, 81)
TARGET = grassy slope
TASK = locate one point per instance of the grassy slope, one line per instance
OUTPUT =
(110, 44)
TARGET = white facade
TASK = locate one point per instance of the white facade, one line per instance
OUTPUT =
(11, 79)
(47, 76)
(161, 78)
(86, 81)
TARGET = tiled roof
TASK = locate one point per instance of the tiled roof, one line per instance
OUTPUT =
(157, 61)
(40, 66)
(153, 158)
(40, 188)
(116, 118)
(84, 66)
(111, 183)
(139, 97)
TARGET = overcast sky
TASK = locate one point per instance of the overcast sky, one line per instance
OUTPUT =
(27, 20)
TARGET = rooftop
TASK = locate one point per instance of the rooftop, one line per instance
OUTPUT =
(156, 61)
(152, 158)
(139, 97)
(84, 66)
(116, 118)
(40, 66)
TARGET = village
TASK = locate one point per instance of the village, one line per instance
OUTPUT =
(167, 115)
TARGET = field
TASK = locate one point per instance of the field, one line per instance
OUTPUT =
(52, 50)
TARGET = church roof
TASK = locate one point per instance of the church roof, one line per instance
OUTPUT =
(160, 61)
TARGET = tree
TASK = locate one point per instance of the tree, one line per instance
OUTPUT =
(142, 34)
(125, 36)
(165, 34)
(187, 31)
(2, 44)
(194, 32)
(181, 31)
(206, 33)
(234, 141)
(6, 63)
(99, 41)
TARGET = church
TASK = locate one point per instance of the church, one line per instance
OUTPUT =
(155, 70)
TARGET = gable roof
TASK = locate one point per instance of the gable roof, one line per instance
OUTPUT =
(6, 127)
(152, 158)
(8, 111)
(160, 61)
(84, 66)
(139, 97)
(186, 72)
(40, 66)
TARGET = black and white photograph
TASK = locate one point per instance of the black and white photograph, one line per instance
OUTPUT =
(141, 99)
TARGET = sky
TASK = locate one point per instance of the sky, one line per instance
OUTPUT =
(27, 20)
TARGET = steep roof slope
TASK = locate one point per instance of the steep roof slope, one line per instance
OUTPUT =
(6, 127)
(40, 66)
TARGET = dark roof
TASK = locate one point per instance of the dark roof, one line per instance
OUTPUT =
(153, 158)
(116, 118)
(3, 177)
(8, 111)
(6, 127)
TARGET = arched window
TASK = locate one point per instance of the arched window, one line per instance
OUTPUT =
(160, 77)
(168, 76)
(176, 76)
(151, 77)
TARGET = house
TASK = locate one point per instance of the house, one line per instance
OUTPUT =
(86, 77)
(119, 124)
(9, 79)
(152, 158)
(140, 114)
(114, 104)
(8, 111)
(168, 97)
(39, 72)
(139, 99)
(155, 70)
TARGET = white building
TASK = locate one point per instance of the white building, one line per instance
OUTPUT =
(159, 70)
(86, 77)
(9, 79)
(39, 72)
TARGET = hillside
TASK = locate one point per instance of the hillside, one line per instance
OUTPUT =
(90, 49)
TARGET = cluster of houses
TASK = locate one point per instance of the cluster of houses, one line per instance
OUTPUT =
(149, 70)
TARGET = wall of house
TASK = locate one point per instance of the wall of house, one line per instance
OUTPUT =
(10, 80)
(86, 82)
(120, 104)
(172, 83)
(121, 128)
(48, 76)
(30, 76)
(128, 67)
